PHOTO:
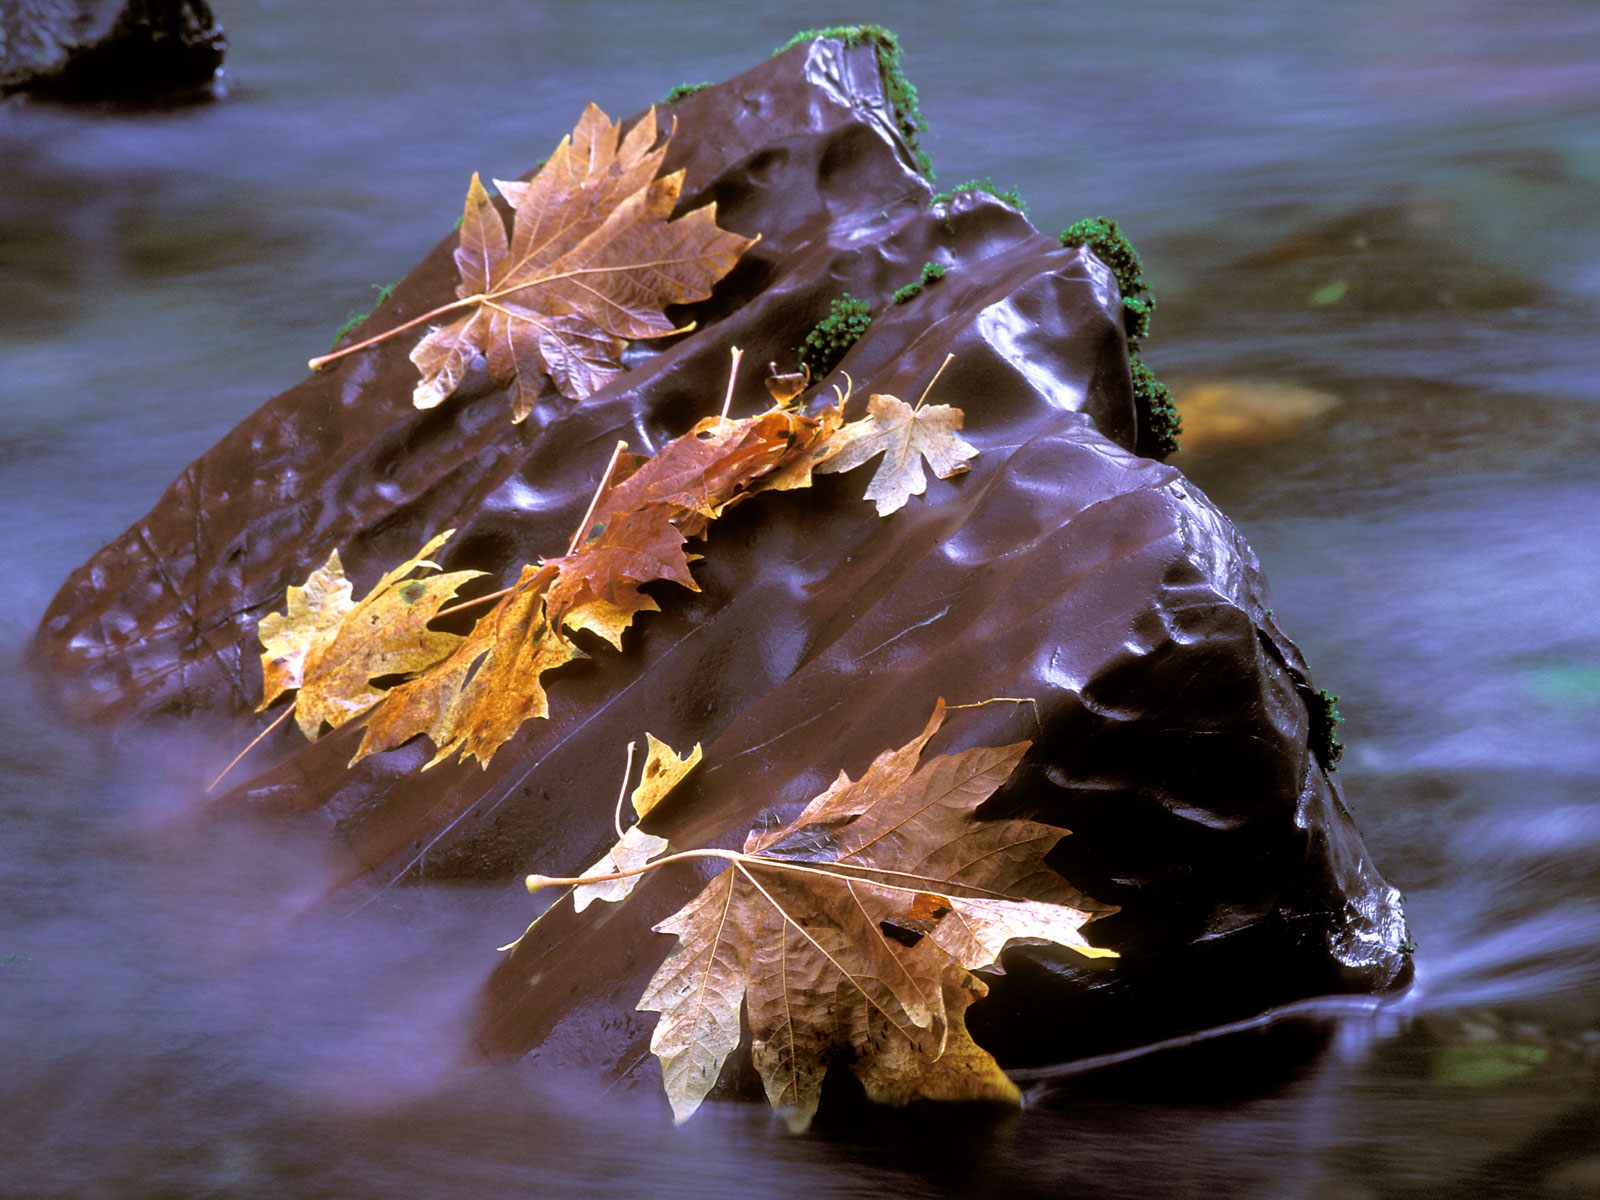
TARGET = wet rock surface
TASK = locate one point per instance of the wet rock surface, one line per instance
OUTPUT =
(1170, 719)
(134, 50)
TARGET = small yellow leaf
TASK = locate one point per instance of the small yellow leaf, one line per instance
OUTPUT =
(663, 769)
(786, 388)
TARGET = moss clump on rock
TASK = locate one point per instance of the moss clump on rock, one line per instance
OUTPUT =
(1106, 241)
(682, 90)
(1009, 195)
(1159, 420)
(1323, 707)
(932, 272)
(833, 336)
(897, 89)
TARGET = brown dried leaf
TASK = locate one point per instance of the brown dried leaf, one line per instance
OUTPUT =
(849, 936)
(641, 523)
(904, 436)
(331, 646)
(786, 388)
(592, 262)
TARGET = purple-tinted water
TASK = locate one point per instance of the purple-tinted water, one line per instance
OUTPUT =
(1375, 232)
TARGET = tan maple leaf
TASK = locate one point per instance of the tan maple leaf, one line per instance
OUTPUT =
(592, 261)
(905, 436)
(331, 646)
(633, 849)
(850, 934)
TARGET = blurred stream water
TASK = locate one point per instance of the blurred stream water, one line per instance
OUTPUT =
(1375, 234)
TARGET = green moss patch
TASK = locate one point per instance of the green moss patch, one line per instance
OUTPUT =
(1106, 241)
(833, 336)
(384, 290)
(1323, 708)
(1009, 195)
(932, 272)
(682, 90)
(1158, 417)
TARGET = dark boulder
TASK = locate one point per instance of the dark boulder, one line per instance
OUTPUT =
(1173, 730)
(129, 50)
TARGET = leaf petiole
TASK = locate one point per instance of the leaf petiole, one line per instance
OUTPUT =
(256, 741)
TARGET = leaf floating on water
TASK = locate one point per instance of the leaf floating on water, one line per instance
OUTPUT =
(851, 934)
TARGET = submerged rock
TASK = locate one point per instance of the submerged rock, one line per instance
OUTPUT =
(109, 49)
(1171, 721)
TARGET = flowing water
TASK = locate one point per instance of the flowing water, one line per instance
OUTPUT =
(1375, 232)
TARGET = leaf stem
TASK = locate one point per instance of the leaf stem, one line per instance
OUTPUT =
(627, 773)
(322, 360)
(461, 604)
(594, 501)
(833, 870)
(932, 381)
(256, 741)
(733, 375)
(535, 882)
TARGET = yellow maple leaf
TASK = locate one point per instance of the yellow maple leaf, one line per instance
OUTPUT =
(475, 699)
(664, 769)
(330, 646)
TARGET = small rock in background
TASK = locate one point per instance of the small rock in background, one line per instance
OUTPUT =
(1232, 412)
(97, 50)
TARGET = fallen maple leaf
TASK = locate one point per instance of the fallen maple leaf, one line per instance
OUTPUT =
(905, 436)
(850, 934)
(474, 697)
(489, 685)
(638, 528)
(330, 646)
(592, 261)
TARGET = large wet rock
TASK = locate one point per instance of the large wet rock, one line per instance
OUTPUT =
(1172, 732)
(109, 49)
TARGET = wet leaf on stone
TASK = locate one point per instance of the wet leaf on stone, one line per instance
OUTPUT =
(850, 935)
(331, 646)
(664, 769)
(592, 261)
(905, 436)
